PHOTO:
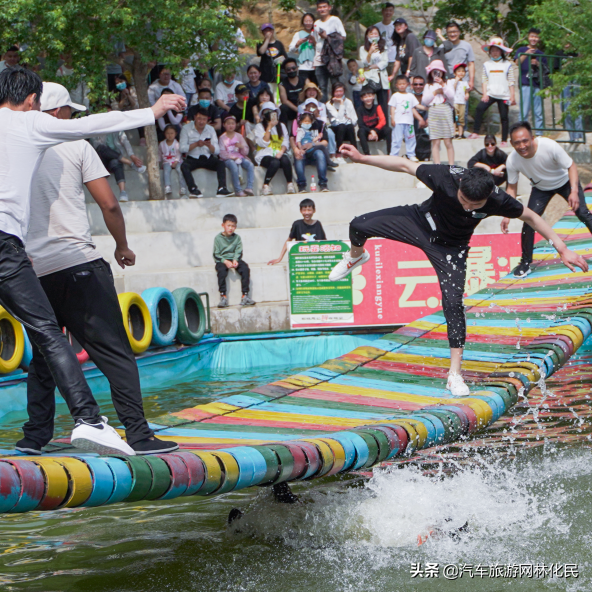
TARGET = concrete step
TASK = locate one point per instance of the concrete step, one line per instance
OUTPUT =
(188, 215)
(264, 316)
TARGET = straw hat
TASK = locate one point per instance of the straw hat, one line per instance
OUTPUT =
(496, 42)
(309, 84)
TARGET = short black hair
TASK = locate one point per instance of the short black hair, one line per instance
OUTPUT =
(452, 24)
(17, 83)
(203, 90)
(229, 218)
(305, 15)
(418, 76)
(401, 77)
(307, 203)
(201, 111)
(477, 184)
(388, 5)
(288, 61)
(254, 66)
(367, 90)
(520, 125)
(13, 48)
(352, 60)
(324, 2)
(169, 126)
(167, 91)
(535, 30)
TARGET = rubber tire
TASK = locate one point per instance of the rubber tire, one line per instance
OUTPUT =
(190, 330)
(130, 301)
(27, 351)
(154, 297)
(15, 346)
(82, 356)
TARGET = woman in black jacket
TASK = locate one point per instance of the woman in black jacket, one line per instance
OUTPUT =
(492, 159)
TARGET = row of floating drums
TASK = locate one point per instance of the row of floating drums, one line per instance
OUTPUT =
(157, 317)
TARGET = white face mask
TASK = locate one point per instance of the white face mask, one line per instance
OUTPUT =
(373, 39)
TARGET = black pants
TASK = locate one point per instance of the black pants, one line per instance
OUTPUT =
(384, 133)
(110, 158)
(242, 269)
(23, 297)
(408, 225)
(287, 115)
(382, 99)
(211, 163)
(273, 164)
(344, 132)
(539, 199)
(504, 110)
(85, 302)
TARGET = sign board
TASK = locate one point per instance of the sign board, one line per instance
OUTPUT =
(397, 285)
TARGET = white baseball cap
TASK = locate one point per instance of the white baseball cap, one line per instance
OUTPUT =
(55, 95)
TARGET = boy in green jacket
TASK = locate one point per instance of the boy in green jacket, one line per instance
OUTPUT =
(228, 252)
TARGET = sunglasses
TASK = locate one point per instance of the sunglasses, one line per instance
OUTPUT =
(418, 83)
(490, 144)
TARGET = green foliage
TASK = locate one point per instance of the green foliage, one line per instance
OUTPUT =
(368, 15)
(483, 18)
(565, 25)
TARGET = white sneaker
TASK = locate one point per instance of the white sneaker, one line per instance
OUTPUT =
(100, 437)
(168, 190)
(456, 385)
(347, 265)
(140, 169)
(123, 197)
(266, 190)
(413, 158)
(291, 188)
(182, 192)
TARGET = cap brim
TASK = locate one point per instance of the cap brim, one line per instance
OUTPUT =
(76, 106)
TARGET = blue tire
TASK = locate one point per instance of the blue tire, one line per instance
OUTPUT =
(164, 315)
(28, 352)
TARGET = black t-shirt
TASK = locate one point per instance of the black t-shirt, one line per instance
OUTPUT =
(454, 225)
(213, 113)
(293, 87)
(268, 68)
(499, 157)
(301, 231)
(237, 111)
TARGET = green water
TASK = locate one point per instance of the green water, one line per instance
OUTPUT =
(524, 488)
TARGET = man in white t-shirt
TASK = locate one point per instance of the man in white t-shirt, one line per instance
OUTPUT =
(403, 111)
(164, 81)
(11, 58)
(79, 283)
(225, 95)
(26, 135)
(387, 28)
(551, 171)
(323, 27)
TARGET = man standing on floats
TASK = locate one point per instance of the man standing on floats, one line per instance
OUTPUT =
(26, 135)
(79, 284)
(442, 227)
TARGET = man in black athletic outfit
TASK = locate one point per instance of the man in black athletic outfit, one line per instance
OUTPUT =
(442, 227)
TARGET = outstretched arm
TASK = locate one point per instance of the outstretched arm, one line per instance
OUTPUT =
(569, 258)
(388, 163)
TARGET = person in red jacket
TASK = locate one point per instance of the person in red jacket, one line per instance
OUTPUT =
(372, 122)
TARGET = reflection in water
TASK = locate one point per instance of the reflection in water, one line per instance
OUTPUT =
(522, 488)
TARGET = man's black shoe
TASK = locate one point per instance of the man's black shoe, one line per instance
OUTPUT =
(223, 192)
(154, 446)
(521, 270)
(28, 446)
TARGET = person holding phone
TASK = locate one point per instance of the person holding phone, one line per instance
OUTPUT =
(438, 96)
(374, 57)
(272, 141)
(200, 143)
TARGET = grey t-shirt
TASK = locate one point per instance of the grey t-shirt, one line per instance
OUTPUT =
(59, 231)
(462, 53)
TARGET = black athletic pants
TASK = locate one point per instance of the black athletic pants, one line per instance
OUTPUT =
(85, 302)
(408, 225)
(23, 297)
(504, 111)
(539, 199)
(384, 133)
(211, 163)
(110, 158)
(344, 132)
(273, 164)
(242, 269)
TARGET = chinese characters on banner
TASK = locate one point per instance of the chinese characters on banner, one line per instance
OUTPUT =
(397, 285)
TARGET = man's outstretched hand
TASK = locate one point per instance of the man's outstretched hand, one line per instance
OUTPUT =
(351, 152)
(573, 260)
(168, 102)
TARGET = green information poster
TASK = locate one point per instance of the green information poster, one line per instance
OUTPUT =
(314, 300)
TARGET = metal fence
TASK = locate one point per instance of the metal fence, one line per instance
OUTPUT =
(536, 108)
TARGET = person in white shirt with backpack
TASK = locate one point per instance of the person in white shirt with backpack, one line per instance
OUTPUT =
(498, 86)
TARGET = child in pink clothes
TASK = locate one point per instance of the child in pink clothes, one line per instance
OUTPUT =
(170, 158)
(233, 152)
